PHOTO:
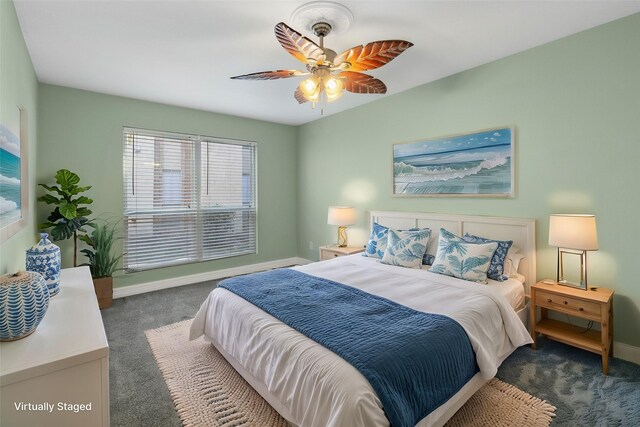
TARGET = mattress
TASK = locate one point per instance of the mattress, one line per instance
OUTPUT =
(311, 386)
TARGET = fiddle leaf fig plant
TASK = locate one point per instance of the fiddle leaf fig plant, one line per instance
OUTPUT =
(71, 213)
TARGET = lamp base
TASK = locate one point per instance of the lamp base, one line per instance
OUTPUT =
(342, 236)
(583, 269)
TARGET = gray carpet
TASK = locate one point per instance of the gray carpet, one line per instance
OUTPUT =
(568, 378)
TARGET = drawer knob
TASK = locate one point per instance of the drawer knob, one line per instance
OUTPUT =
(565, 302)
(335, 255)
(548, 299)
(580, 308)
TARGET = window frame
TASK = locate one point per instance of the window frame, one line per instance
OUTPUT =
(199, 210)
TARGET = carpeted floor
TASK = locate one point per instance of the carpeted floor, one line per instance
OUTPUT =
(568, 378)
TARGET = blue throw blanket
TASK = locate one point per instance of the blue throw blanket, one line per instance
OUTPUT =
(414, 361)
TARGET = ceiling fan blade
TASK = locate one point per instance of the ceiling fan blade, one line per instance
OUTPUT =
(297, 45)
(362, 83)
(270, 75)
(373, 55)
(299, 96)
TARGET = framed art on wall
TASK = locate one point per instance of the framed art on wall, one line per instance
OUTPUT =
(473, 164)
(14, 186)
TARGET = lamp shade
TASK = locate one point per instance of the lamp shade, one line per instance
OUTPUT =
(341, 215)
(573, 232)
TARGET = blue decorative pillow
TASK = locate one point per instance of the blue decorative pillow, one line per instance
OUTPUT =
(461, 259)
(405, 248)
(496, 269)
(377, 241)
(428, 259)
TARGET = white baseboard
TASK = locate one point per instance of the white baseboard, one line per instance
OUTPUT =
(626, 352)
(141, 288)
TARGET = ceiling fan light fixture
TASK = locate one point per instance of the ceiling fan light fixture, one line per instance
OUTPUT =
(310, 87)
(330, 74)
(333, 88)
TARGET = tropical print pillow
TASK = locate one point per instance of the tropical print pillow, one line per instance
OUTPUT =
(405, 248)
(377, 241)
(464, 260)
(496, 268)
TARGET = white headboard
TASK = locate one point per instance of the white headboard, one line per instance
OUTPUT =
(521, 231)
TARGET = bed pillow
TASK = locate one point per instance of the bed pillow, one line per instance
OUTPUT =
(496, 269)
(377, 241)
(512, 262)
(428, 259)
(405, 248)
(461, 259)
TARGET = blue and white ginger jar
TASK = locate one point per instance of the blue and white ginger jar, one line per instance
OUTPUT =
(24, 300)
(44, 258)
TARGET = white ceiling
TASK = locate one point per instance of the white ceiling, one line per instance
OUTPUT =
(183, 52)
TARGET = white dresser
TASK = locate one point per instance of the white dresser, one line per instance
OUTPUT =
(59, 375)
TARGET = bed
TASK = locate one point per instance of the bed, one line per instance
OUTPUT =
(310, 385)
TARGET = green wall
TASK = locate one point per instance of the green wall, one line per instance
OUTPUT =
(18, 89)
(575, 104)
(82, 131)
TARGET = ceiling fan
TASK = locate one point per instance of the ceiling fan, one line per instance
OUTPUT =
(330, 73)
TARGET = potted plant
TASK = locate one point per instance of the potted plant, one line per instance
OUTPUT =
(69, 215)
(102, 262)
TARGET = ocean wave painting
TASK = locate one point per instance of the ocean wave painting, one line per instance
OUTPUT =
(477, 163)
(9, 177)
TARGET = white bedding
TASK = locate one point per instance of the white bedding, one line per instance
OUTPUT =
(315, 387)
(512, 290)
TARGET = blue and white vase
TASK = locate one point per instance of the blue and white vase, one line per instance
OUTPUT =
(24, 300)
(44, 258)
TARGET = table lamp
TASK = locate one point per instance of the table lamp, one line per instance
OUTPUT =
(341, 216)
(573, 234)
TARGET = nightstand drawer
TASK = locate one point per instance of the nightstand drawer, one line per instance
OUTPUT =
(569, 304)
(330, 252)
(327, 254)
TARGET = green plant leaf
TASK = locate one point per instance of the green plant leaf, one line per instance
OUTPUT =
(78, 190)
(85, 238)
(55, 215)
(82, 200)
(61, 231)
(49, 199)
(53, 188)
(68, 210)
(82, 211)
(67, 179)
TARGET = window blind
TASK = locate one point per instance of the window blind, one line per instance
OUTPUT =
(187, 198)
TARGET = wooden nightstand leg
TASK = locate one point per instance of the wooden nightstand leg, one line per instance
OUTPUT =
(532, 319)
(604, 337)
(611, 327)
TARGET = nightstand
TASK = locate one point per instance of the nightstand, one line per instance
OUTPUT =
(332, 251)
(595, 305)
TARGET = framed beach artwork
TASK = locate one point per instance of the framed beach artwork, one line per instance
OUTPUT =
(14, 188)
(474, 164)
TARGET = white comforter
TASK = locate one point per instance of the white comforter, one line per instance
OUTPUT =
(315, 387)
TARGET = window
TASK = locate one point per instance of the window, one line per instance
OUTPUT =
(187, 198)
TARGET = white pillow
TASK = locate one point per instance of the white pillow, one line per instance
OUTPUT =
(405, 248)
(512, 263)
(464, 260)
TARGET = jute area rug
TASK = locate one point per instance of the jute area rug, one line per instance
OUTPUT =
(207, 391)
